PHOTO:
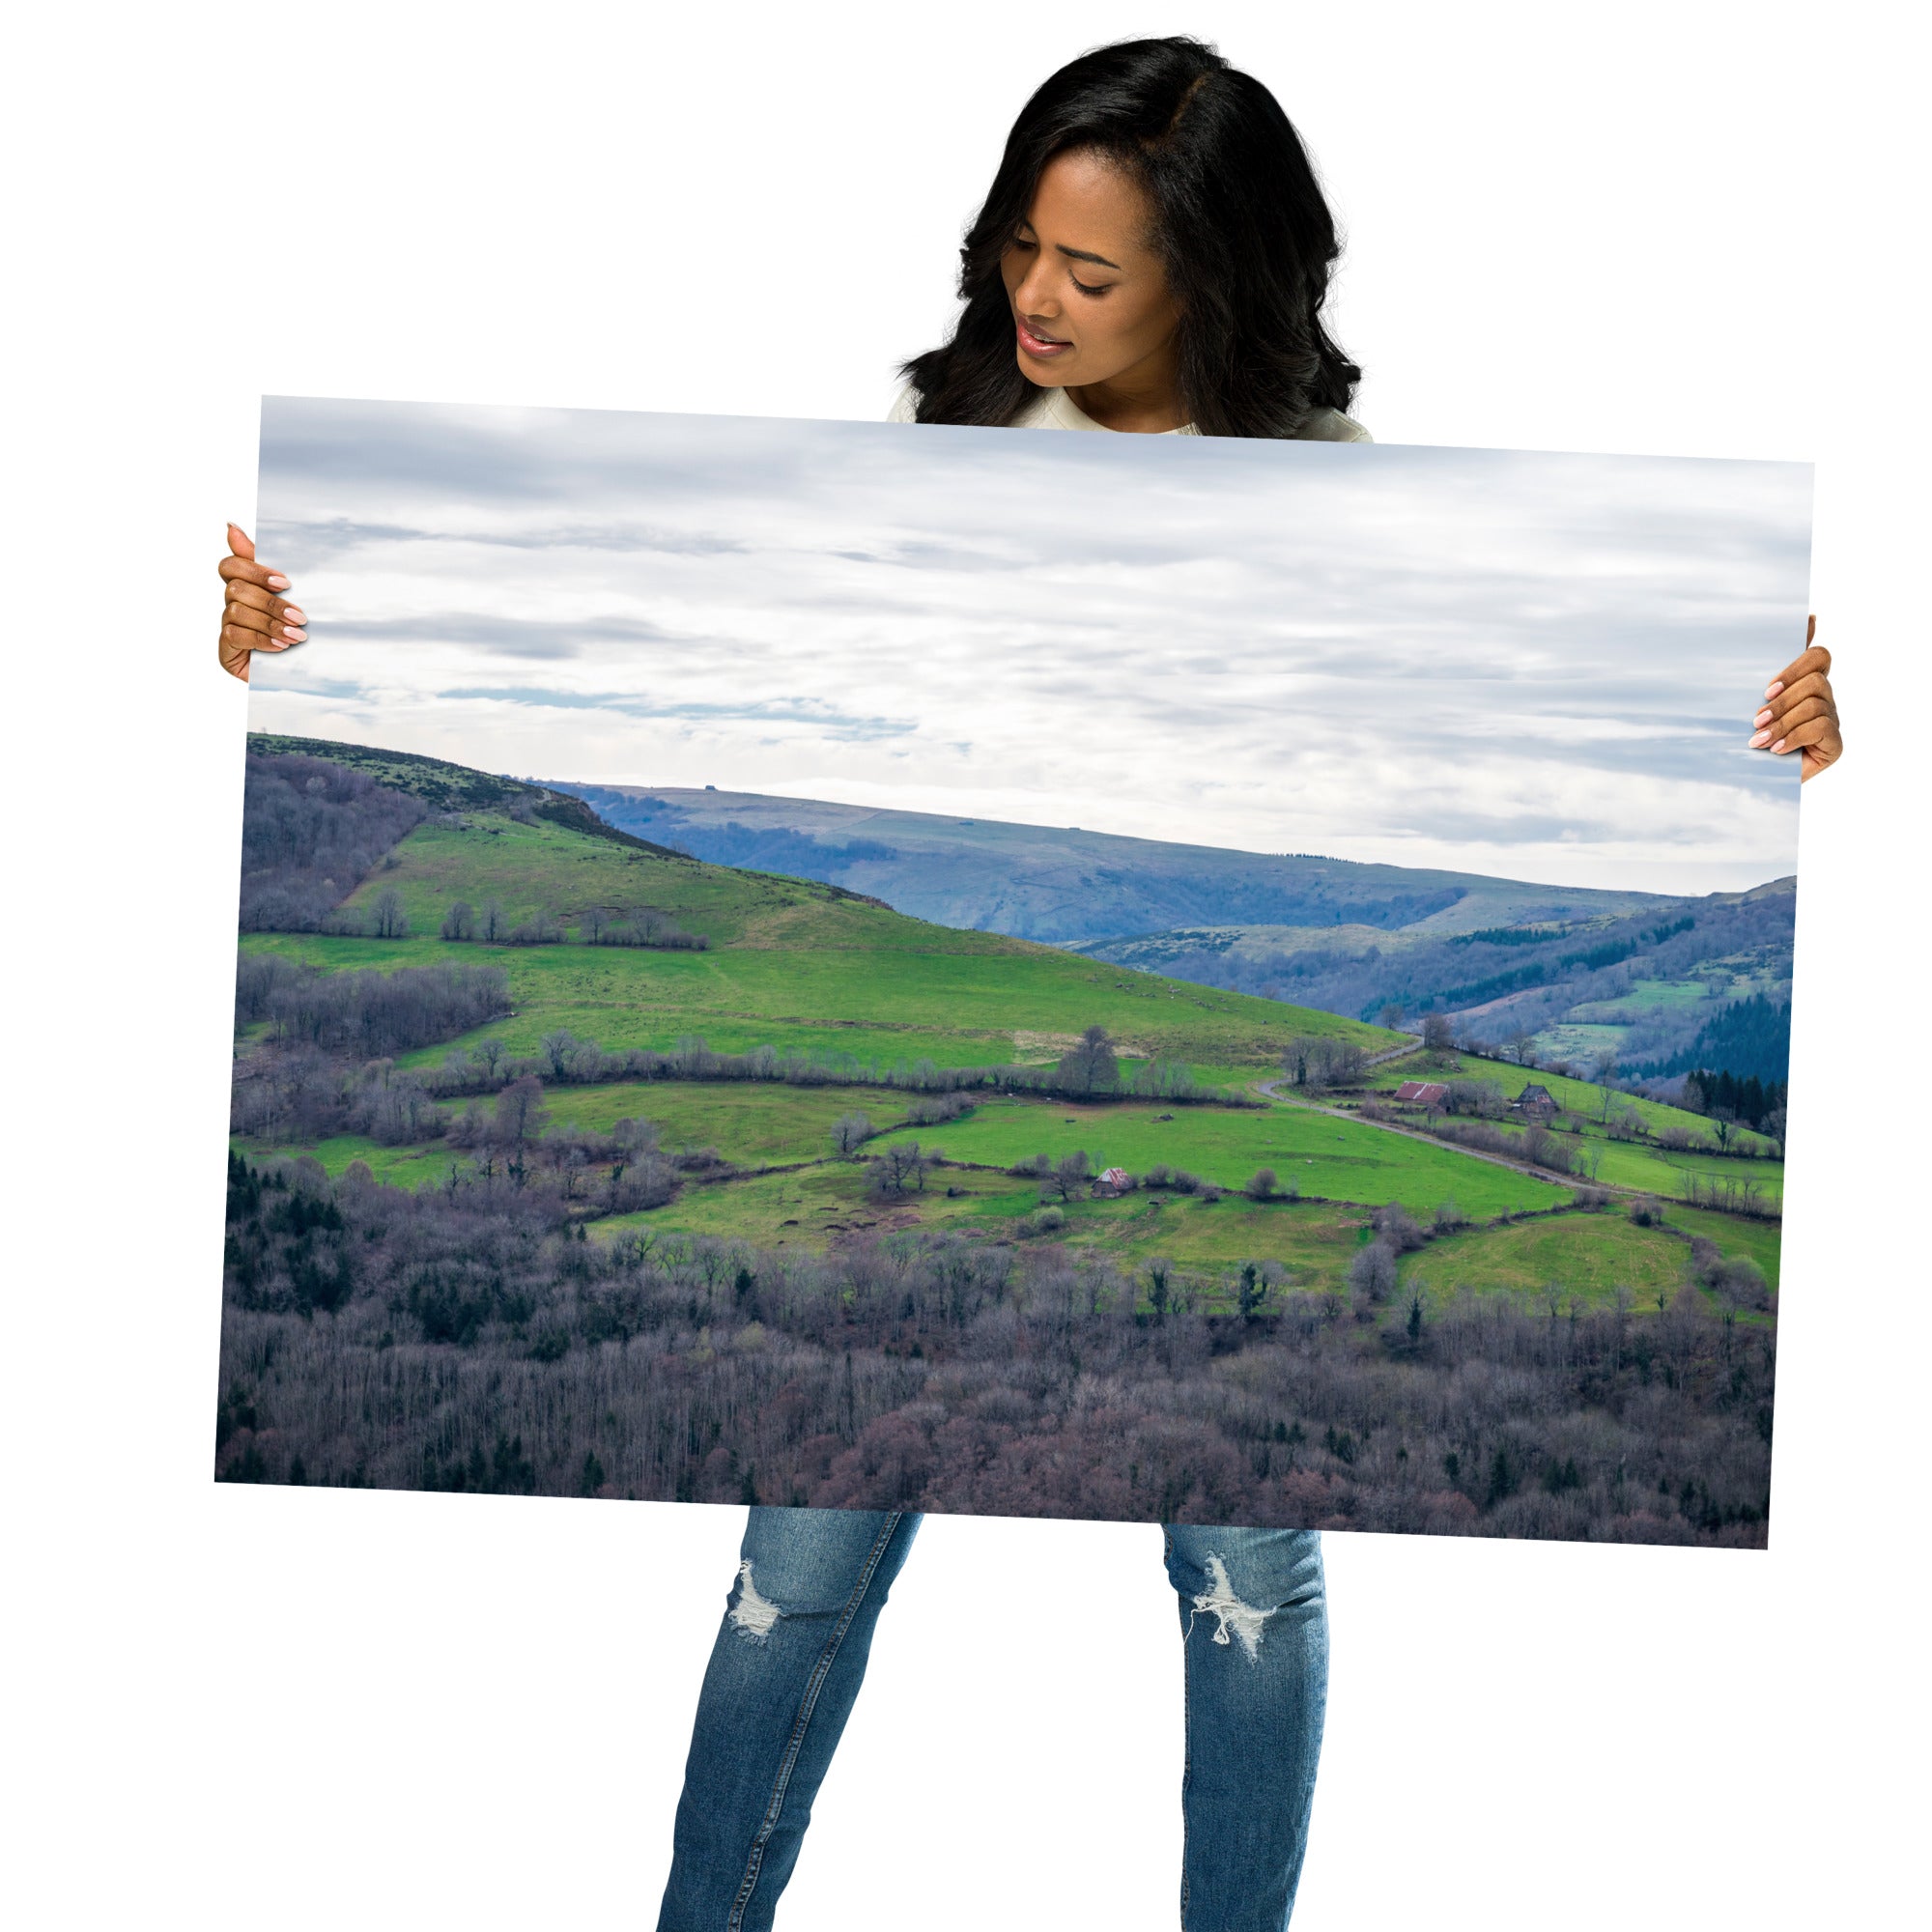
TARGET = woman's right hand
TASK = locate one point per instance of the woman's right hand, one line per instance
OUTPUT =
(255, 616)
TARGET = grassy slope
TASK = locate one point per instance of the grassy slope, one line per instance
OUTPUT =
(791, 963)
(1340, 1160)
(1588, 1255)
(820, 1207)
(753, 1127)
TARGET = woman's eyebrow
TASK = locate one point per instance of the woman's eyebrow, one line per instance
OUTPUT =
(1088, 255)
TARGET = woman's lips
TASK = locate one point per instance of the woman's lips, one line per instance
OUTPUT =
(1042, 345)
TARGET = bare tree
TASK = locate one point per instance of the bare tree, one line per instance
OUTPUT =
(1091, 1067)
(1603, 1072)
(1070, 1173)
(1371, 1274)
(460, 920)
(899, 1170)
(521, 1112)
(1437, 1035)
(850, 1131)
(392, 922)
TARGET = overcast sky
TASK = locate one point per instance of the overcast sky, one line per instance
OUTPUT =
(1537, 666)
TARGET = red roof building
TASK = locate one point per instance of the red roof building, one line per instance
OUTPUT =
(1422, 1092)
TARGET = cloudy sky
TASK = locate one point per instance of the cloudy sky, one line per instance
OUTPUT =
(1537, 666)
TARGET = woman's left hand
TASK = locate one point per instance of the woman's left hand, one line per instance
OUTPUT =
(1799, 713)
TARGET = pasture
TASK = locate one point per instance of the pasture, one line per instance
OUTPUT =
(1585, 1255)
(1338, 1159)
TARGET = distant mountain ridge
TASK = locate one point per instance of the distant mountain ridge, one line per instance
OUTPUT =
(1647, 976)
(1065, 886)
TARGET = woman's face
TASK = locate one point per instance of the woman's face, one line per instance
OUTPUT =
(1090, 300)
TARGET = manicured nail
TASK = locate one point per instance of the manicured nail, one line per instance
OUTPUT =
(1762, 738)
(1772, 690)
(1779, 746)
(279, 582)
(293, 635)
(296, 616)
(1762, 718)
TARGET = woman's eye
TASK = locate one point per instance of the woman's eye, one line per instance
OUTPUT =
(1094, 289)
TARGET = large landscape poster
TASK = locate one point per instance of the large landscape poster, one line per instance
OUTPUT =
(1146, 977)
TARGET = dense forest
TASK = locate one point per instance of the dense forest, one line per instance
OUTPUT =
(311, 831)
(476, 1338)
(1749, 1040)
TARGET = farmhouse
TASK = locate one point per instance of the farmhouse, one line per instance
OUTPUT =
(1421, 1092)
(1534, 1101)
(1114, 1181)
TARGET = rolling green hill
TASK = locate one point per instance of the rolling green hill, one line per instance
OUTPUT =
(797, 964)
(791, 961)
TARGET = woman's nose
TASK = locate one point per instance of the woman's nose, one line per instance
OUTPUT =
(1034, 294)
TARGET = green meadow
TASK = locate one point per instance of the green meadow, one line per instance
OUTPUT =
(1590, 1256)
(990, 1003)
(1315, 1153)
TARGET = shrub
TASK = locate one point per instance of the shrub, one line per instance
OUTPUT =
(1261, 1184)
(1397, 1228)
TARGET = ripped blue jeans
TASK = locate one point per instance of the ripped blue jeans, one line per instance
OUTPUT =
(791, 1652)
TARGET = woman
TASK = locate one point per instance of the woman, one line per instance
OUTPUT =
(1152, 258)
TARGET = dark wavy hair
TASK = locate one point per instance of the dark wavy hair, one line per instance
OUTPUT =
(1241, 229)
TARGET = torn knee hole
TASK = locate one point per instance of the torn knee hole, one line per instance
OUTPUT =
(1235, 1621)
(753, 1615)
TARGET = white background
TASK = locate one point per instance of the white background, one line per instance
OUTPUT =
(1682, 229)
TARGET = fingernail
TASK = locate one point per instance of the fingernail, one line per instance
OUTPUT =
(1772, 690)
(1779, 746)
(1762, 738)
(296, 616)
(293, 635)
(1762, 718)
(279, 582)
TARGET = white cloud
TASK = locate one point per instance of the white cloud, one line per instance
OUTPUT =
(1536, 665)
